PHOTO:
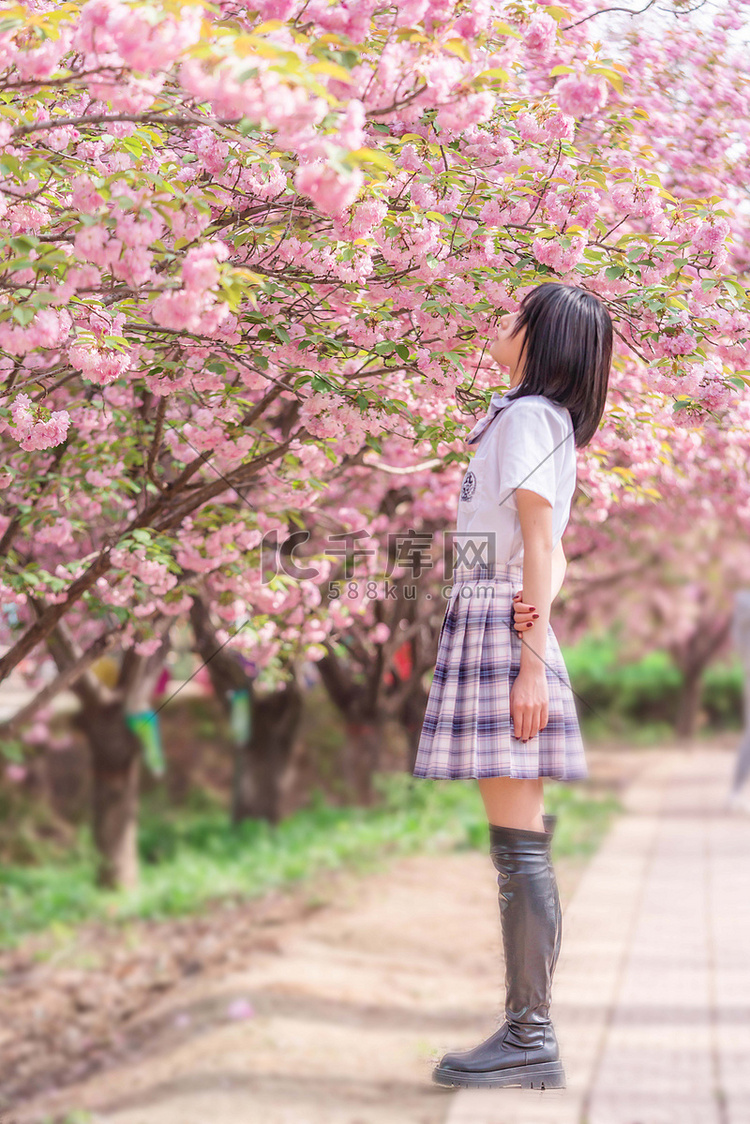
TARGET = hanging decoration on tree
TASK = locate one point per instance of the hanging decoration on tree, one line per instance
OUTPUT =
(145, 726)
(240, 715)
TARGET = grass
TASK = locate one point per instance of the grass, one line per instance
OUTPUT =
(193, 855)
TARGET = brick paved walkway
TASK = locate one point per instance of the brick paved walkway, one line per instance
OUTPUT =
(651, 999)
(355, 1004)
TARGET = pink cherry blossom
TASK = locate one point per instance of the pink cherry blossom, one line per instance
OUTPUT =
(580, 94)
(330, 191)
(35, 427)
(541, 34)
(98, 365)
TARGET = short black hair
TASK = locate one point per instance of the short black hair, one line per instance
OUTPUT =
(566, 352)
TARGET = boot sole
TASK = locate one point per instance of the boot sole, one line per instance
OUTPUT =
(543, 1075)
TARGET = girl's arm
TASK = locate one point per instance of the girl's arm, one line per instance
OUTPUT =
(524, 613)
(559, 566)
(540, 577)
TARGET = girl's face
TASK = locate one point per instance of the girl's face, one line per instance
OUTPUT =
(506, 351)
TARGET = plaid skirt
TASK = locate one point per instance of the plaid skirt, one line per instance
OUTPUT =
(468, 728)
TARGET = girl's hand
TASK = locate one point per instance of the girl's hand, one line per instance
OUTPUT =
(529, 703)
(523, 615)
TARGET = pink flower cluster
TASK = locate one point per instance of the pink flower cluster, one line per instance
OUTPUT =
(200, 272)
(155, 576)
(711, 236)
(470, 110)
(49, 329)
(368, 214)
(186, 307)
(636, 197)
(263, 184)
(43, 61)
(330, 191)
(551, 252)
(557, 126)
(189, 222)
(209, 148)
(350, 133)
(141, 38)
(332, 416)
(84, 197)
(99, 365)
(680, 344)
(57, 534)
(290, 110)
(580, 94)
(541, 34)
(35, 427)
(132, 264)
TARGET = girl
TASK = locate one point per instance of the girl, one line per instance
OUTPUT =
(500, 707)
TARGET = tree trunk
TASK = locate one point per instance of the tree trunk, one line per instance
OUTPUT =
(412, 717)
(689, 706)
(361, 757)
(358, 705)
(115, 771)
(115, 750)
(261, 763)
(692, 657)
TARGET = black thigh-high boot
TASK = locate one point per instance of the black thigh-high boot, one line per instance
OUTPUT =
(524, 1050)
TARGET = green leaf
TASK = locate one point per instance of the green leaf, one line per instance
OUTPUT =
(614, 271)
(373, 156)
(735, 287)
(494, 72)
(502, 28)
(23, 315)
(12, 751)
(557, 12)
(457, 47)
(24, 242)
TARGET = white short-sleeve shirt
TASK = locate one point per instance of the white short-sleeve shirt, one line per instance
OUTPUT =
(525, 442)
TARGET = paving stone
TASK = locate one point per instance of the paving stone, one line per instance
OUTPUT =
(651, 999)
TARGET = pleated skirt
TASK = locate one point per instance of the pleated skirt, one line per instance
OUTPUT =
(467, 729)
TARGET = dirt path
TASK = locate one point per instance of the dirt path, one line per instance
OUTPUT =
(330, 1006)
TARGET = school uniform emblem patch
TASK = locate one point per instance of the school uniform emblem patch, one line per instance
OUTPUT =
(469, 486)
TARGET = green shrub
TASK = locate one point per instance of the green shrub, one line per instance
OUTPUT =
(640, 700)
(193, 854)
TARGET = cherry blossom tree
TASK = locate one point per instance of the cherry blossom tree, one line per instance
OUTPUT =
(178, 287)
(244, 248)
(659, 534)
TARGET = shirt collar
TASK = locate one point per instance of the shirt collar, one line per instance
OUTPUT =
(497, 402)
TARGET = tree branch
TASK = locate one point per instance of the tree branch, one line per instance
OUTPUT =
(61, 682)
